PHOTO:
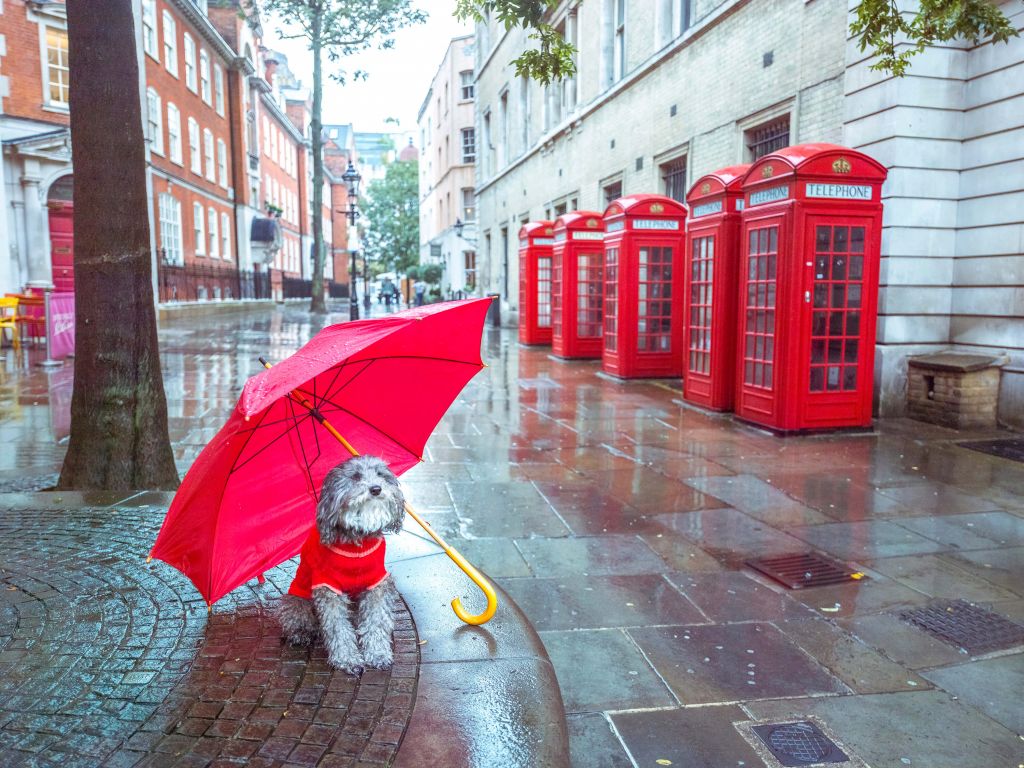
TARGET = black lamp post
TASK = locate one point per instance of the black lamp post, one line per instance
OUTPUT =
(352, 178)
(458, 227)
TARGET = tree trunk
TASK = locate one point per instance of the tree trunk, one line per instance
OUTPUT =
(119, 437)
(318, 304)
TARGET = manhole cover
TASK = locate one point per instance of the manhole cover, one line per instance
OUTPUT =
(804, 570)
(974, 629)
(802, 743)
(1012, 448)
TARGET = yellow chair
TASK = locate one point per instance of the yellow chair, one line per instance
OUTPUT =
(9, 319)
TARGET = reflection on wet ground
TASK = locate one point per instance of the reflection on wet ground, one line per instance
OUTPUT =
(619, 521)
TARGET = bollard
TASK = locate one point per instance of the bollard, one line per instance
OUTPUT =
(494, 311)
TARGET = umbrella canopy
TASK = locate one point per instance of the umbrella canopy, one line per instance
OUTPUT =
(248, 501)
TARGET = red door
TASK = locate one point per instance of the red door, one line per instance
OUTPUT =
(62, 249)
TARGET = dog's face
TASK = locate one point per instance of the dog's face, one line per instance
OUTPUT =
(360, 499)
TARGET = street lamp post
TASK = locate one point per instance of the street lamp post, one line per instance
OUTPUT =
(352, 178)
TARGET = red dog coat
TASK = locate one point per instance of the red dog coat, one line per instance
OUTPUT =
(343, 568)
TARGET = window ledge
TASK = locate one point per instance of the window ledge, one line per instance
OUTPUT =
(59, 109)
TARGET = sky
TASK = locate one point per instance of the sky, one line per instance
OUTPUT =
(398, 78)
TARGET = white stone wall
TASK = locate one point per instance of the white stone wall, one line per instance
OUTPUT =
(952, 135)
(713, 74)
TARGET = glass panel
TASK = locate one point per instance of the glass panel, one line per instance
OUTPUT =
(822, 239)
(857, 240)
(850, 377)
(817, 379)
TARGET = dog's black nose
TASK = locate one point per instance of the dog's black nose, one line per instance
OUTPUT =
(375, 490)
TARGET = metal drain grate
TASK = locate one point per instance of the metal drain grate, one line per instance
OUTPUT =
(804, 570)
(802, 743)
(966, 626)
(1012, 449)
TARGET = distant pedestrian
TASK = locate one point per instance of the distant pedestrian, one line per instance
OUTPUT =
(387, 288)
(420, 289)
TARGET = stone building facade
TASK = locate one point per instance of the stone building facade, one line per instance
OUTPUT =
(668, 90)
(447, 155)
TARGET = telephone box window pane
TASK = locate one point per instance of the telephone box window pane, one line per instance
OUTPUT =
(856, 267)
(611, 287)
(823, 239)
(544, 292)
(701, 301)
(758, 346)
(818, 351)
(850, 377)
(588, 296)
(556, 295)
(833, 377)
(817, 379)
(854, 296)
(853, 323)
(857, 240)
(655, 282)
(850, 355)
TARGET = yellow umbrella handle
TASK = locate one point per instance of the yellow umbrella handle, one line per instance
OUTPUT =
(464, 565)
(475, 576)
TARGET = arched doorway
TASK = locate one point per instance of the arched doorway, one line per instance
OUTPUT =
(62, 234)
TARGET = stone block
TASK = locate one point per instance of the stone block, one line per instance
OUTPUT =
(954, 389)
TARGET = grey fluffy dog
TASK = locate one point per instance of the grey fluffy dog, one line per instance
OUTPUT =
(341, 571)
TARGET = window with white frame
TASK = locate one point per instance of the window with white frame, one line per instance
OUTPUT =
(214, 237)
(211, 170)
(267, 191)
(190, 64)
(170, 43)
(225, 236)
(266, 137)
(170, 227)
(57, 71)
(619, 66)
(195, 155)
(468, 87)
(149, 43)
(174, 134)
(199, 228)
(222, 163)
(204, 75)
(218, 89)
(469, 145)
(155, 121)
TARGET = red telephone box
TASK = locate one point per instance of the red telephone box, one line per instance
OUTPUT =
(577, 288)
(643, 287)
(535, 240)
(811, 238)
(712, 270)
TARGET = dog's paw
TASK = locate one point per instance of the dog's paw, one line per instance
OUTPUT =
(379, 660)
(352, 666)
(299, 638)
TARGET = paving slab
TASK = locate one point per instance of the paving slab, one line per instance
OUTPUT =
(902, 642)
(991, 685)
(726, 597)
(1004, 567)
(936, 576)
(695, 738)
(981, 530)
(618, 555)
(937, 731)
(592, 602)
(867, 540)
(626, 681)
(593, 744)
(711, 664)
(759, 499)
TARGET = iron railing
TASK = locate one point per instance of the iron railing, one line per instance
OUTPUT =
(208, 282)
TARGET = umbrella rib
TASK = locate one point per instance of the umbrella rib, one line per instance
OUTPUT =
(372, 426)
(305, 459)
(269, 442)
(327, 390)
(417, 357)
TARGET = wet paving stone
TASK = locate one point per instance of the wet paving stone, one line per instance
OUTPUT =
(972, 531)
(991, 685)
(936, 576)
(867, 540)
(944, 735)
(626, 681)
(1004, 567)
(592, 555)
(873, 595)
(901, 642)
(759, 499)
(725, 597)
(680, 554)
(938, 499)
(732, 662)
(686, 737)
(591, 602)
(728, 534)
(511, 510)
(592, 743)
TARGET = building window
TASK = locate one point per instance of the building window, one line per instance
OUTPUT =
(149, 44)
(612, 192)
(211, 171)
(214, 237)
(174, 134)
(469, 145)
(190, 63)
(222, 163)
(204, 75)
(218, 89)
(468, 204)
(56, 67)
(685, 14)
(170, 227)
(225, 236)
(266, 137)
(619, 65)
(674, 176)
(524, 112)
(199, 229)
(170, 44)
(766, 138)
(194, 154)
(468, 87)
(155, 122)
(469, 265)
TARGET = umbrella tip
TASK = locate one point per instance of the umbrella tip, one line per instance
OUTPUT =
(149, 558)
(209, 608)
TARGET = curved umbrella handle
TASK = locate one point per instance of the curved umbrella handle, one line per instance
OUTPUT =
(475, 576)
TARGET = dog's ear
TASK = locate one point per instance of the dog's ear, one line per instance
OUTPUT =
(397, 510)
(332, 493)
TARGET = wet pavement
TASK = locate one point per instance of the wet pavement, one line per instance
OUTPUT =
(619, 521)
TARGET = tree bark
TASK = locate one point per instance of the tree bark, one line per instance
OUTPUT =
(318, 303)
(119, 438)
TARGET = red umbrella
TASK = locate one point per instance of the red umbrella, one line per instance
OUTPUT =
(249, 500)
